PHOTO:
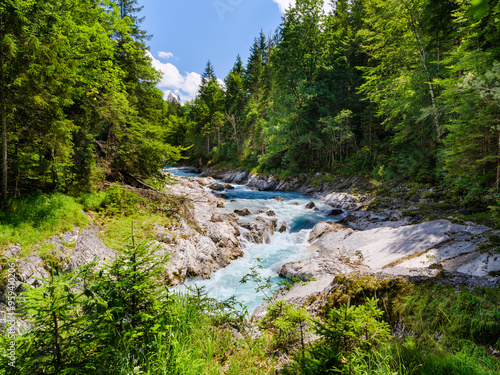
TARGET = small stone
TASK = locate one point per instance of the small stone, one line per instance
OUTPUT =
(310, 205)
(244, 212)
(336, 212)
(218, 187)
(13, 251)
(216, 218)
(279, 199)
(228, 187)
(270, 213)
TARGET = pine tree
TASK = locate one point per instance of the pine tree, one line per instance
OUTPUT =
(129, 289)
(207, 76)
(235, 99)
(60, 341)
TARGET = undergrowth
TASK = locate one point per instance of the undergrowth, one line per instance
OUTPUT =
(29, 220)
(122, 319)
(118, 209)
(436, 329)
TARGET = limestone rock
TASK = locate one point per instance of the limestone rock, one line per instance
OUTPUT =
(343, 201)
(454, 246)
(243, 212)
(315, 267)
(89, 247)
(323, 228)
(310, 205)
(259, 231)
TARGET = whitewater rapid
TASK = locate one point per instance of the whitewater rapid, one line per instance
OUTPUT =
(285, 247)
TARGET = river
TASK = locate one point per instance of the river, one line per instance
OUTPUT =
(285, 247)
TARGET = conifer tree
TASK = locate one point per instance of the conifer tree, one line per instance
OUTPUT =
(234, 103)
(60, 340)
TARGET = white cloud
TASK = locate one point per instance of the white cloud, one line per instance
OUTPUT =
(285, 4)
(165, 55)
(184, 86)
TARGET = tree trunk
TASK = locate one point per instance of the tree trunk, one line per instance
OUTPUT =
(57, 344)
(4, 123)
(498, 164)
(423, 59)
(233, 121)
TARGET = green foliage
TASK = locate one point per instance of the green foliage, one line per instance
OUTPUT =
(263, 285)
(34, 218)
(123, 318)
(348, 334)
(456, 316)
(81, 104)
(287, 324)
(450, 328)
(60, 340)
(392, 89)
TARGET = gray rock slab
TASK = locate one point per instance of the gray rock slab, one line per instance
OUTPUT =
(323, 228)
(315, 267)
(384, 247)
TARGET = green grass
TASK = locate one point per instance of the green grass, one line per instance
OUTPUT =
(457, 316)
(448, 329)
(33, 219)
(490, 218)
(195, 337)
(116, 230)
(118, 210)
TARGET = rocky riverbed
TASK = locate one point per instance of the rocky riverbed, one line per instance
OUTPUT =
(202, 241)
(384, 242)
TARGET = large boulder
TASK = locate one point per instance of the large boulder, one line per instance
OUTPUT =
(259, 231)
(305, 270)
(323, 228)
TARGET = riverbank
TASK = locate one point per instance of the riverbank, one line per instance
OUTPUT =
(385, 233)
(186, 220)
(398, 225)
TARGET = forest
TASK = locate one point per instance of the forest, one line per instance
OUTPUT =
(78, 98)
(401, 92)
(392, 89)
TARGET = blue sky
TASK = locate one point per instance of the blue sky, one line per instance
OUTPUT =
(188, 33)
